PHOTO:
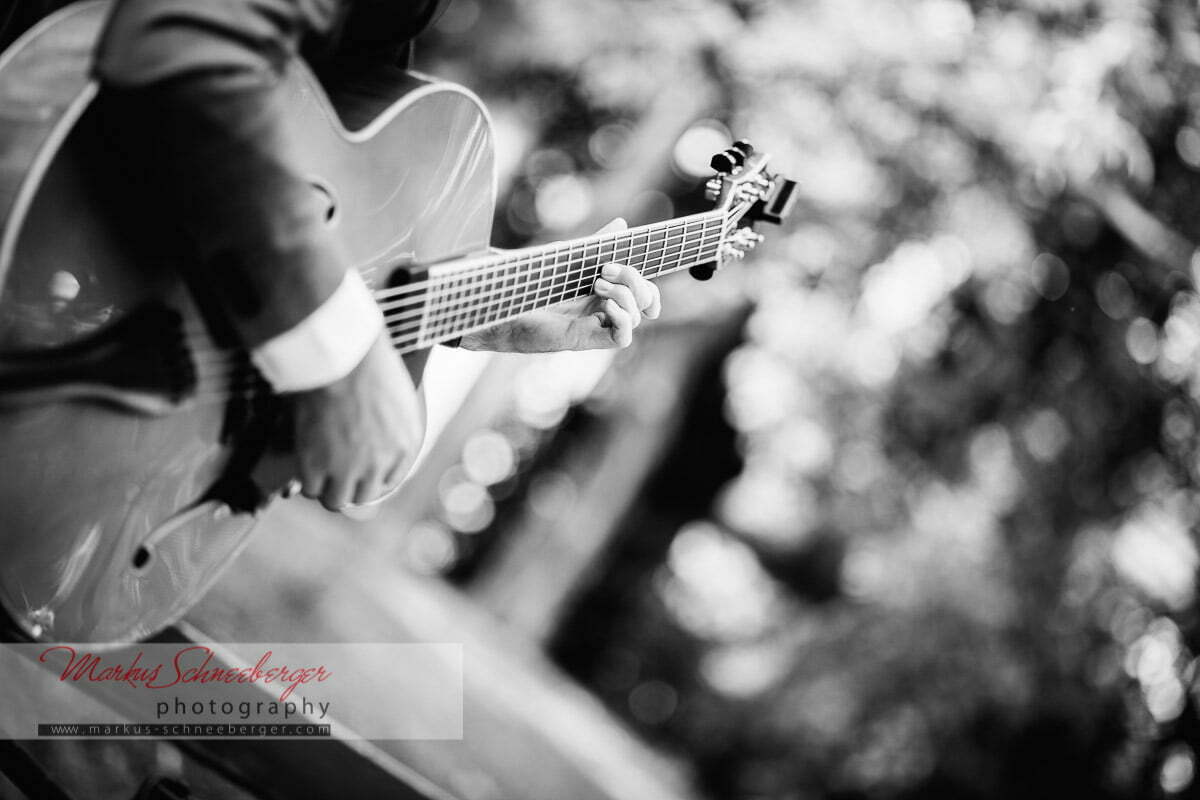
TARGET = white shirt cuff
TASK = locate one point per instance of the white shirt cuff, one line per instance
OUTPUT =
(327, 344)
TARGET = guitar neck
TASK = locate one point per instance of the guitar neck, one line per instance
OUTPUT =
(464, 296)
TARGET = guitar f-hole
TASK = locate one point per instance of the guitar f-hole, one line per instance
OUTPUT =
(141, 558)
(173, 539)
(331, 209)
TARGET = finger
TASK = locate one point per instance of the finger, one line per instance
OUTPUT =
(623, 295)
(643, 290)
(376, 490)
(617, 224)
(337, 494)
(312, 483)
(368, 490)
(394, 476)
(377, 499)
(620, 324)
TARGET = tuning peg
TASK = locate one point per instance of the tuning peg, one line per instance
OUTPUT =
(746, 239)
(724, 163)
(703, 272)
(743, 147)
(738, 156)
(732, 252)
(712, 189)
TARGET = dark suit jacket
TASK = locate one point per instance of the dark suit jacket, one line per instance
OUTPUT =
(191, 92)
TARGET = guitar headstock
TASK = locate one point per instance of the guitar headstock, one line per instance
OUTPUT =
(745, 192)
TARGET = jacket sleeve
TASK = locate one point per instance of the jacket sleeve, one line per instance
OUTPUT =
(193, 91)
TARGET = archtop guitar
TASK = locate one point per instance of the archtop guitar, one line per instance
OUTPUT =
(135, 442)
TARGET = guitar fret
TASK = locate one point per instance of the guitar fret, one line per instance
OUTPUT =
(462, 306)
(607, 257)
(478, 310)
(456, 301)
(462, 310)
(548, 291)
(560, 271)
(671, 252)
(534, 296)
(510, 283)
(447, 322)
(443, 300)
(577, 266)
(490, 312)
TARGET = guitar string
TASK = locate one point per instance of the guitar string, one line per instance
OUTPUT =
(245, 381)
(233, 367)
(402, 332)
(531, 281)
(455, 297)
(521, 281)
(519, 290)
(531, 255)
(445, 326)
(402, 336)
(476, 317)
(458, 282)
(576, 251)
(231, 363)
(529, 289)
(536, 273)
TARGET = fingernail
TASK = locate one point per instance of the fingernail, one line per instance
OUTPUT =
(611, 271)
(602, 285)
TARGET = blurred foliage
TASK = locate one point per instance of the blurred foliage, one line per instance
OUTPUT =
(959, 559)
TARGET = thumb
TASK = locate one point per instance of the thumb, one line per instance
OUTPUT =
(618, 224)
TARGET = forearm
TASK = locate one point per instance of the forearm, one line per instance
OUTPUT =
(194, 98)
(217, 158)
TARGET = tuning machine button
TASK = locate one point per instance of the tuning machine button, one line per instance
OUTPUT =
(712, 189)
(746, 238)
(724, 163)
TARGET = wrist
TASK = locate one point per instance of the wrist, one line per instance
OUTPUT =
(327, 345)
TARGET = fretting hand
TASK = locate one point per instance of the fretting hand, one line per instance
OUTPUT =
(621, 298)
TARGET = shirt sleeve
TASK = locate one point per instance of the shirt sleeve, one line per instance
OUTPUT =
(193, 93)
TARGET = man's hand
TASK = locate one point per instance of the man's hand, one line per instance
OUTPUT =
(621, 298)
(356, 438)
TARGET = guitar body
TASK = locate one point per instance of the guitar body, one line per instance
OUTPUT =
(123, 495)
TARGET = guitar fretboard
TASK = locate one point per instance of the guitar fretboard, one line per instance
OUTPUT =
(465, 296)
